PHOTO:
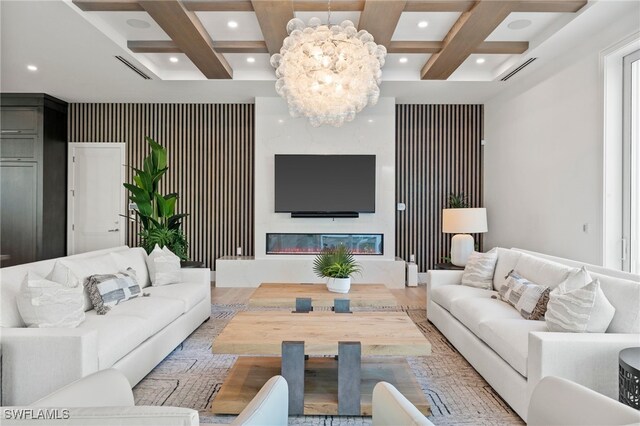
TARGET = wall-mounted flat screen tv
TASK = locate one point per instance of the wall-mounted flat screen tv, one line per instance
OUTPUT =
(325, 184)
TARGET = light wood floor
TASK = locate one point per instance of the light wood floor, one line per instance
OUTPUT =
(414, 296)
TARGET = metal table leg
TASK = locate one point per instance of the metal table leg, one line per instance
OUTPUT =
(349, 363)
(293, 371)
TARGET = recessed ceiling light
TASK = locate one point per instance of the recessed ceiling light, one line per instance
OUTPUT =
(403, 60)
(32, 68)
(232, 24)
(251, 59)
(423, 24)
(173, 59)
(138, 23)
(480, 61)
(519, 24)
(370, 120)
(281, 121)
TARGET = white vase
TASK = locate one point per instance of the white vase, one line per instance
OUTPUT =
(339, 285)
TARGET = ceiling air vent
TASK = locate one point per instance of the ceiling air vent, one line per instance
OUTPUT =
(133, 67)
(517, 70)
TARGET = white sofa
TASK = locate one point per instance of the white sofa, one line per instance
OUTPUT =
(514, 354)
(133, 337)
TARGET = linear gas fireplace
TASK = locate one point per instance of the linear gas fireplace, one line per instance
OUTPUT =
(360, 244)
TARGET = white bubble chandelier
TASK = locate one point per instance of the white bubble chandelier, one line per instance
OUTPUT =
(328, 73)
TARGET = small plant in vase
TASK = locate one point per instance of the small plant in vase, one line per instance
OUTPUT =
(338, 265)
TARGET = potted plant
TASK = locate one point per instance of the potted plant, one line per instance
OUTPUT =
(338, 265)
(156, 212)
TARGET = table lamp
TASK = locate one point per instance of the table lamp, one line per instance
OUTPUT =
(463, 222)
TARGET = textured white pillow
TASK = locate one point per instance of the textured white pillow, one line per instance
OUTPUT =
(45, 303)
(569, 311)
(479, 269)
(81, 269)
(164, 266)
(602, 312)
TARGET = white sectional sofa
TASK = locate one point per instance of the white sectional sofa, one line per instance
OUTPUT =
(514, 354)
(132, 338)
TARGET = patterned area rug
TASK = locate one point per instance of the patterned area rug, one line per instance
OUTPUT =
(191, 376)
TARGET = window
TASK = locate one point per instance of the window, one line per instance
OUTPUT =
(631, 163)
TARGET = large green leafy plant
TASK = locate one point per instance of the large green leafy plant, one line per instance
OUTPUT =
(335, 263)
(156, 212)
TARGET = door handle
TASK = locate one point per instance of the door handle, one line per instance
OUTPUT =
(113, 230)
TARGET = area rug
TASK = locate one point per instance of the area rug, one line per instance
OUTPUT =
(191, 376)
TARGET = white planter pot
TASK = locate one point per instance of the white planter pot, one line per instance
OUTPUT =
(339, 285)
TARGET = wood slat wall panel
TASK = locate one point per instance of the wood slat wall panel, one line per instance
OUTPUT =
(438, 152)
(211, 157)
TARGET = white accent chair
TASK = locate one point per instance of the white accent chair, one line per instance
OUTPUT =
(560, 402)
(391, 408)
(105, 398)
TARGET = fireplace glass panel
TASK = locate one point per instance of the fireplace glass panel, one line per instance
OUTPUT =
(360, 244)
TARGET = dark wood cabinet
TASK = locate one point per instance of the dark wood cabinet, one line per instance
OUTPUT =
(33, 178)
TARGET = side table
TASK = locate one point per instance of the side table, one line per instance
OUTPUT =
(449, 265)
(629, 377)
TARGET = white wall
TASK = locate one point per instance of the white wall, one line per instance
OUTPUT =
(372, 132)
(544, 151)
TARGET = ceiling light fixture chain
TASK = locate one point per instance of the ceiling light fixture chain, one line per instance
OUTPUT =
(329, 12)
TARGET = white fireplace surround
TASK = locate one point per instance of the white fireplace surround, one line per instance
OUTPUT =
(371, 133)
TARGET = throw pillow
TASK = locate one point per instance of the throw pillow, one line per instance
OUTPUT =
(479, 269)
(529, 299)
(45, 303)
(164, 266)
(570, 310)
(108, 290)
(602, 312)
(81, 269)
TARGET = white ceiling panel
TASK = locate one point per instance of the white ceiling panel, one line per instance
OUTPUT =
(118, 22)
(260, 69)
(336, 17)
(184, 69)
(471, 70)
(216, 24)
(438, 25)
(394, 69)
(540, 22)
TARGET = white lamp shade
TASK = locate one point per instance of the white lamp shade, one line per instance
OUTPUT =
(464, 221)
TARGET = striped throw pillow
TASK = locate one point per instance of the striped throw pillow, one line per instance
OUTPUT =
(529, 299)
(570, 310)
(479, 269)
(107, 290)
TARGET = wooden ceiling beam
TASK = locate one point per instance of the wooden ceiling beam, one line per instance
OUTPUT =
(487, 47)
(380, 18)
(273, 16)
(168, 46)
(438, 5)
(560, 6)
(218, 5)
(469, 31)
(420, 47)
(109, 5)
(188, 33)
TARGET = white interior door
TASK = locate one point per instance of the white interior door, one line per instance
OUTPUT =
(96, 196)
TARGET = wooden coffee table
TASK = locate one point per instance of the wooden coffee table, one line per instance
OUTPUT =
(284, 295)
(320, 386)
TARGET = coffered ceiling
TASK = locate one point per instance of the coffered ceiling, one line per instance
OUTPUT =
(233, 39)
